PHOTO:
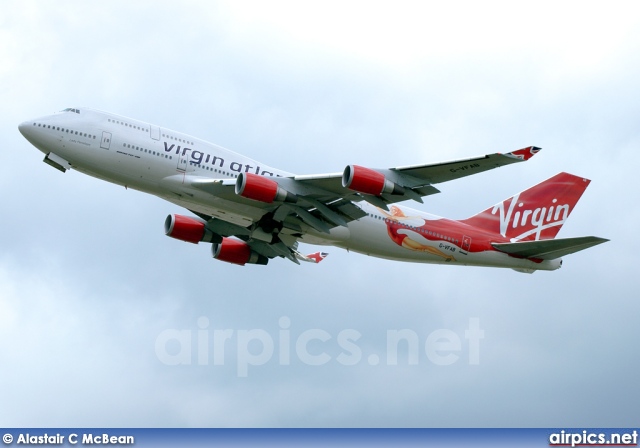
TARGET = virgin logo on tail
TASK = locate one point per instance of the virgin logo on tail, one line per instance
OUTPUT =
(536, 213)
(530, 221)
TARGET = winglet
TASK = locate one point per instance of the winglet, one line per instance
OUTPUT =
(316, 257)
(524, 153)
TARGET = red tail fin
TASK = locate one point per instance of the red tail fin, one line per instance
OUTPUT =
(535, 214)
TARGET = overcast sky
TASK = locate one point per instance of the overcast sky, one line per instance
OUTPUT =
(93, 295)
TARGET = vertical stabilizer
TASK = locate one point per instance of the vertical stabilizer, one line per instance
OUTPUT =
(537, 213)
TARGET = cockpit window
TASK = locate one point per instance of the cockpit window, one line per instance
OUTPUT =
(69, 109)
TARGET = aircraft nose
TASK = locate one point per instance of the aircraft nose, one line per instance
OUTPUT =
(29, 132)
(23, 128)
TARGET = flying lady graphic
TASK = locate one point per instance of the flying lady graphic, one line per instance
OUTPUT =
(406, 231)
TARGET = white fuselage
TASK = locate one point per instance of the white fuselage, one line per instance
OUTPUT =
(156, 160)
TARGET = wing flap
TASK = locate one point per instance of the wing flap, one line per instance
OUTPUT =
(549, 249)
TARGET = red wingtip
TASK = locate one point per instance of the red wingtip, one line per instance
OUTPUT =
(318, 256)
(525, 153)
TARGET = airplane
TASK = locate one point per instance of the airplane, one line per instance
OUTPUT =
(252, 213)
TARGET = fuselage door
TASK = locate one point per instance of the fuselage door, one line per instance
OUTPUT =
(183, 162)
(106, 140)
(154, 132)
(466, 243)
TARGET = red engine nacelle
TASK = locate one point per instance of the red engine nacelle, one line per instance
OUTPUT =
(368, 181)
(235, 251)
(261, 188)
(191, 230)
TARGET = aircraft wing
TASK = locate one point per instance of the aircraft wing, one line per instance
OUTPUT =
(283, 209)
(549, 249)
(413, 181)
(442, 172)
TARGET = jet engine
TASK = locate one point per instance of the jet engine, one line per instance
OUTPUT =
(236, 251)
(261, 188)
(189, 229)
(368, 181)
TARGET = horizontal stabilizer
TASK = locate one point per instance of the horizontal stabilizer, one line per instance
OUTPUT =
(316, 257)
(549, 249)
